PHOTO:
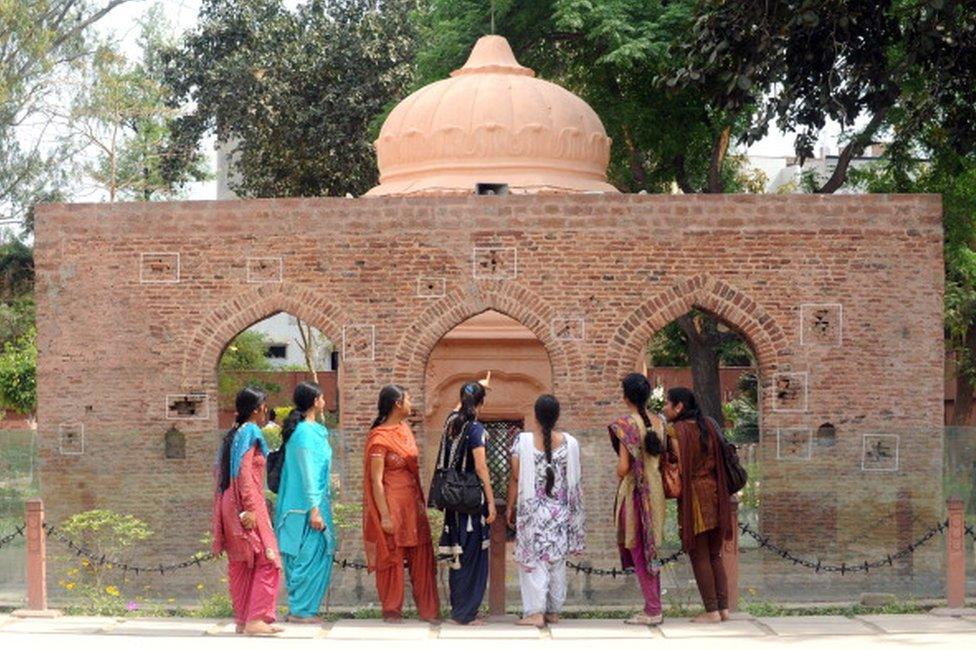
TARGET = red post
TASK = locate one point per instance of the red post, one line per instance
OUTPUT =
(730, 555)
(496, 564)
(36, 556)
(956, 555)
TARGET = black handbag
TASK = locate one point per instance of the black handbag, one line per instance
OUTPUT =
(276, 461)
(736, 476)
(452, 488)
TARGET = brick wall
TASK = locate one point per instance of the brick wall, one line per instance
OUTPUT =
(840, 297)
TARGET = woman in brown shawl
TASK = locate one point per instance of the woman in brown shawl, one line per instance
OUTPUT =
(703, 508)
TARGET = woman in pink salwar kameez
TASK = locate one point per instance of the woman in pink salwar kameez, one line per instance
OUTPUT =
(241, 522)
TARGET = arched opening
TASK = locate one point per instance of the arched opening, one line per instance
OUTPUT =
(700, 351)
(275, 354)
(520, 371)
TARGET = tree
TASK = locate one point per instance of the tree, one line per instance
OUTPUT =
(247, 352)
(38, 40)
(121, 118)
(292, 94)
(18, 374)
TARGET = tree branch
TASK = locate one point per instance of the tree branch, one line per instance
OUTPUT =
(853, 148)
(719, 149)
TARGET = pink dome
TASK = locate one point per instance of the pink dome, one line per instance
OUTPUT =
(492, 122)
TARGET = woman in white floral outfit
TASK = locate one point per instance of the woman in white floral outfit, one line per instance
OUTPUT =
(551, 524)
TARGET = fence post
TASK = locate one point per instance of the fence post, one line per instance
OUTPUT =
(955, 555)
(730, 555)
(36, 563)
(496, 563)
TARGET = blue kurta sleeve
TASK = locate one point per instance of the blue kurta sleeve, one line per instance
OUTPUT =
(310, 471)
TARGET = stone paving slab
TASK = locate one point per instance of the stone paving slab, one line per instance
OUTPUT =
(919, 623)
(163, 627)
(683, 629)
(491, 630)
(292, 631)
(4, 619)
(816, 626)
(380, 631)
(598, 629)
(61, 625)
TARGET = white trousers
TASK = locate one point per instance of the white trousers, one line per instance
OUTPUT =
(543, 587)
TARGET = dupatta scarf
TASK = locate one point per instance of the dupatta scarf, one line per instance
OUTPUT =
(626, 431)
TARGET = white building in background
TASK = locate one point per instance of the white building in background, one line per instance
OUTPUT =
(285, 343)
(784, 174)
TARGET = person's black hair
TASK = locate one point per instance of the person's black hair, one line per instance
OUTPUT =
(304, 398)
(389, 397)
(547, 413)
(637, 390)
(272, 415)
(472, 396)
(690, 411)
(247, 402)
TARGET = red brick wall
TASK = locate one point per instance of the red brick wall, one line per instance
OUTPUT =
(615, 268)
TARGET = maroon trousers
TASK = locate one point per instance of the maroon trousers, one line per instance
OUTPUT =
(706, 562)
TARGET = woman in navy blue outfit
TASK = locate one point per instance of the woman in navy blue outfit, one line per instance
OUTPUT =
(464, 539)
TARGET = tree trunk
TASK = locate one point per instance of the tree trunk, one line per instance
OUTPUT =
(703, 341)
(307, 345)
(962, 414)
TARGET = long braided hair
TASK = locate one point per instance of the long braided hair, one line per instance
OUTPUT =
(637, 390)
(247, 402)
(547, 414)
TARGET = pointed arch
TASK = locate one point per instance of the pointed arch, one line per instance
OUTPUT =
(248, 307)
(726, 302)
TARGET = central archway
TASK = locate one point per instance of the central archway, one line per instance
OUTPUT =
(521, 370)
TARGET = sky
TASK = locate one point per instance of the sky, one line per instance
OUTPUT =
(122, 24)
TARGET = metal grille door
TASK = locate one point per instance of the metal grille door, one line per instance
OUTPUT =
(501, 437)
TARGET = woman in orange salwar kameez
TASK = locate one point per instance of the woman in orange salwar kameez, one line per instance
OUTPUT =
(395, 525)
(241, 523)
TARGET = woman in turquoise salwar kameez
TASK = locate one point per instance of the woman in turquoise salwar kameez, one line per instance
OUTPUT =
(303, 514)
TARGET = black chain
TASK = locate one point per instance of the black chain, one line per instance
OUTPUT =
(100, 561)
(12, 536)
(349, 564)
(614, 572)
(971, 532)
(843, 568)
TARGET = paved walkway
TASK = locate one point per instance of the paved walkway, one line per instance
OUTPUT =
(834, 632)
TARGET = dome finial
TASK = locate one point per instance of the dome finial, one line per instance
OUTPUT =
(492, 54)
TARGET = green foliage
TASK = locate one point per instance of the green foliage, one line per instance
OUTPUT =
(18, 374)
(121, 118)
(104, 533)
(906, 65)
(742, 412)
(39, 41)
(215, 606)
(669, 348)
(247, 352)
(292, 92)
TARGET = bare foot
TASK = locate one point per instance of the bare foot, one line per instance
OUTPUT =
(725, 614)
(477, 621)
(259, 628)
(708, 617)
(307, 620)
(552, 618)
(239, 628)
(393, 620)
(645, 619)
(431, 621)
(536, 620)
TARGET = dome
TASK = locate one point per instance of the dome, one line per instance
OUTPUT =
(492, 122)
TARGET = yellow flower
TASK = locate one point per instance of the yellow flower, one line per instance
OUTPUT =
(112, 590)
(200, 586)
(69, 586)
(72, 572)
(84, 562)
(170, 600)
